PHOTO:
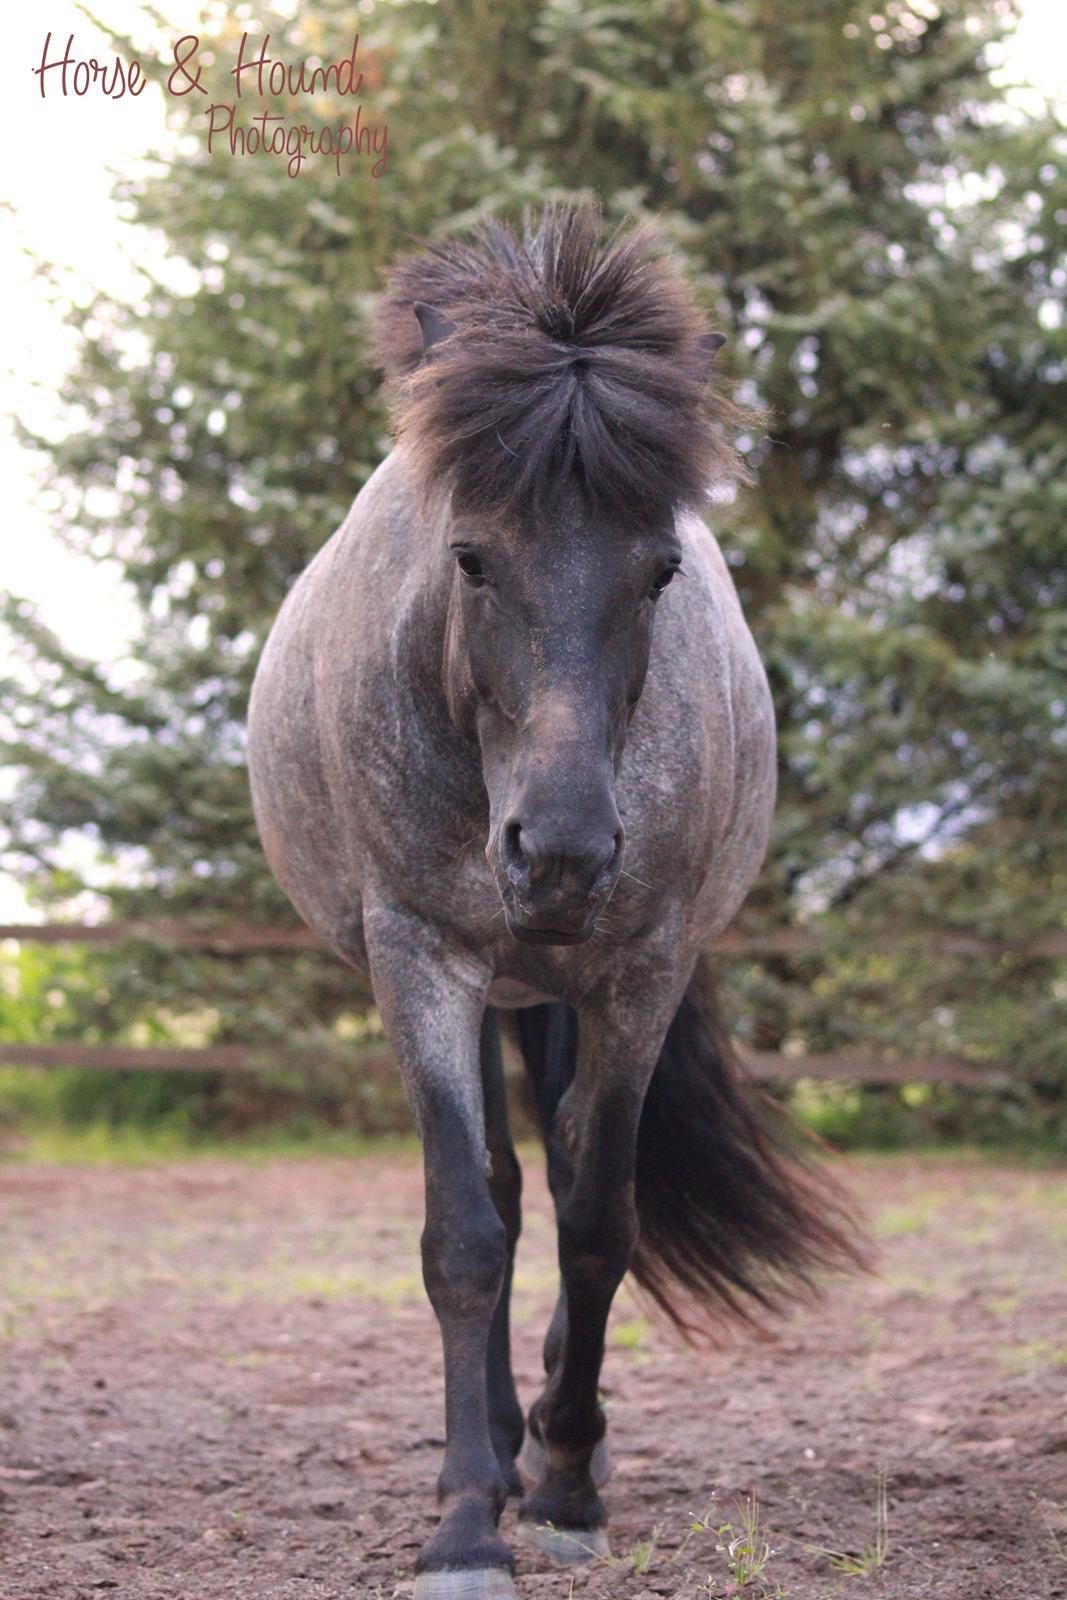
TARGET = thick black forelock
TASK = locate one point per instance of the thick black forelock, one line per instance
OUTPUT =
(574, 357)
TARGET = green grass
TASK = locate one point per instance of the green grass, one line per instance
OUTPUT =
(125, 1145)
(335, 1283)
(1028, 1357)
(643, 1552)
(1002, 1305)
(894, 1222)
(630, 1335)
(73, 1115)
(50, 1138)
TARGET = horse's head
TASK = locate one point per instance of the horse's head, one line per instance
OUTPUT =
(548, 649)
(558, 396)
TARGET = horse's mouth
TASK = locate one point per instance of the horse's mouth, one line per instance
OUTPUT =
(551, 935)
(546, 915)
(533, 930)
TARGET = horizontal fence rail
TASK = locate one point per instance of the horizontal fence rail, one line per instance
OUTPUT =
(767, 1066)
(130, 1058)
(247, 938)
(238, 936)
(241, 937)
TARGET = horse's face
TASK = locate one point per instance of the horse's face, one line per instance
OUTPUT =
(549, 646)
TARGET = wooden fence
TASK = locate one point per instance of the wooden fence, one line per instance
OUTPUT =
(241, 938)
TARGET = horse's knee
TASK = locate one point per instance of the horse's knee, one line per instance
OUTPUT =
(463, 1263)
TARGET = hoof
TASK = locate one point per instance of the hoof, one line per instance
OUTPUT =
(531, 1461)
(480, 1583)
(569, 1547)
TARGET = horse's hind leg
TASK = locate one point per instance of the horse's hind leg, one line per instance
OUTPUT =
(432, 1003)
(548, 1037)
(505, 1186)
(597, 1123)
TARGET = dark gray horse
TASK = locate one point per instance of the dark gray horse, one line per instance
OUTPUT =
(512, 752)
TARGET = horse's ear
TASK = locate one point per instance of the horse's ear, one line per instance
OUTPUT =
(710, 345)
(434, 324)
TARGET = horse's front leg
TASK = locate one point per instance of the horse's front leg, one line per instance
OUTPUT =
(505, 1186)
(432, 1004)
(597, 1124)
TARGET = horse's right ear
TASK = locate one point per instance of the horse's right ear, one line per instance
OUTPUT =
(434, 324)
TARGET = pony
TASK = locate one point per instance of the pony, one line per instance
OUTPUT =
(512, 755)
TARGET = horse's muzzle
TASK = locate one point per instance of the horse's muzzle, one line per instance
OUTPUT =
(554, 890)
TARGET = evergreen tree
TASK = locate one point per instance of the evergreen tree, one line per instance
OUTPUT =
(883, 243)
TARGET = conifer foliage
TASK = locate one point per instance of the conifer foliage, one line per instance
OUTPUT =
(882, 236)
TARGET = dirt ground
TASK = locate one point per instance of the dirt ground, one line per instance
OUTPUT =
(222, 1380)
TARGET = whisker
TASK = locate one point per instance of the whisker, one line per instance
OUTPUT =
(624, 874)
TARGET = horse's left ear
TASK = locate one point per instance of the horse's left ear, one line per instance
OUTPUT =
(711, 344)
(434, 324)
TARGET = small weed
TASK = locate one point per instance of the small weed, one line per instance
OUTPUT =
(871, 1380)
(380, 1593)
(642, 1553)
(697, 1525)
(743, 1545)
(872, 1556)
(747, 1552)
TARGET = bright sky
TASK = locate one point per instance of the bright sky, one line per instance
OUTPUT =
(58, 181)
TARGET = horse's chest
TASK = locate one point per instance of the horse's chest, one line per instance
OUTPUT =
(512, 992)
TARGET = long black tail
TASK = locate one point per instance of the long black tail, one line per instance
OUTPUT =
(732, 1218)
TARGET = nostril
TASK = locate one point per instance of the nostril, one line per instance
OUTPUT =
(604, 862)
(512, 853)
(612, 858)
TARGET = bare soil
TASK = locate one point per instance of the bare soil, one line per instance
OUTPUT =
(222, 1380)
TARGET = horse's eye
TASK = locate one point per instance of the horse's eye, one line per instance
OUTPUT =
(470, 567)
(661, 582)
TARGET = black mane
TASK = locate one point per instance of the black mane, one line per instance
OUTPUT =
(573, 356)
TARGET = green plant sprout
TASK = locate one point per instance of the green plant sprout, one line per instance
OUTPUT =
(645, 1549)
(747, 1553)
(872, 1556)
